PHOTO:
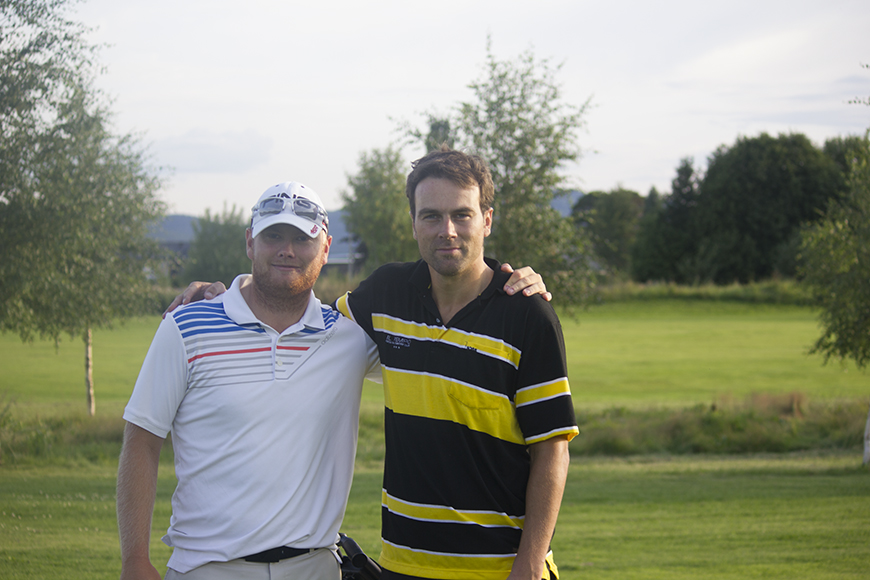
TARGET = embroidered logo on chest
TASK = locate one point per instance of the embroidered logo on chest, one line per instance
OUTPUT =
(397, 341)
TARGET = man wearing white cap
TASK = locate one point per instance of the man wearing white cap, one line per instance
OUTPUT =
(260, 389)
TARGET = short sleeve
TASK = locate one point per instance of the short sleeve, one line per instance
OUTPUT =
(162, 382)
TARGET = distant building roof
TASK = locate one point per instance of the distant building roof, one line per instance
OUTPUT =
(565, 203)
(343, 249)
(174, 229)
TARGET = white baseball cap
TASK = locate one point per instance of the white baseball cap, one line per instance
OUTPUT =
(289, 203)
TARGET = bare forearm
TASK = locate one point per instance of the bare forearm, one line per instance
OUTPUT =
(137, 487)
(549, 470)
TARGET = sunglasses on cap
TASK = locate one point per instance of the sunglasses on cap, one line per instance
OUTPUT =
(299, 206)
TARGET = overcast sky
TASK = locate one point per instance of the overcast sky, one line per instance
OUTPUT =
(237, 98)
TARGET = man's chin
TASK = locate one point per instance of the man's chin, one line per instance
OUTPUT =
(283, 286)
(447, 268)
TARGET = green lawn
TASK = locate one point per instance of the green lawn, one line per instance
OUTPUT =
(664, 352)
(685, 352)
(60, 522)
(782, 516)
(40, 378)
(798, 516)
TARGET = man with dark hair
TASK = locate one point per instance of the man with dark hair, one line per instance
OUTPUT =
(455, 166)
(478, 408)
(260, 388)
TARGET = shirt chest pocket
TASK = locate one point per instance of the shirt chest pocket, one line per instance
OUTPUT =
(475, 399)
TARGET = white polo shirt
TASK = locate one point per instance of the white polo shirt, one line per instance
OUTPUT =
(264, 425)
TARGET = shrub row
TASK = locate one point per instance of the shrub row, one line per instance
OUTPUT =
(762, 424)
(782, 291)
(59, 438)
(333, 284)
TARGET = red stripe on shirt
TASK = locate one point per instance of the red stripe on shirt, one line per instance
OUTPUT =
(220, 352)
(245, 351)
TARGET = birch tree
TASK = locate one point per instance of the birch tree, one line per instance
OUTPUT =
(75, 199)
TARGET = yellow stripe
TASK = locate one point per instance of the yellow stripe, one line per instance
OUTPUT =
(554, 575)
(437, 397)
(569, 432)
(433, 565)
(447, 514)
(341, 303)
(448, 566)
(543, 391)
(480, 343)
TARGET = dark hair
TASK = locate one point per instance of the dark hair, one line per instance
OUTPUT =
(460, 168)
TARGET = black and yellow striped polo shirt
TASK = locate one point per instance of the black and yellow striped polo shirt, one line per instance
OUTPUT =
(463, 403)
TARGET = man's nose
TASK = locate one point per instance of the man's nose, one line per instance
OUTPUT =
(448, 228)
(287, 249)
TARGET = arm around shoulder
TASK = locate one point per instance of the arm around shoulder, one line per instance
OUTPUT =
(525, 280)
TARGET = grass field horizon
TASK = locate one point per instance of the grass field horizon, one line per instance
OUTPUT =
(656, 515)
(640, 353)
(754, 516)
(668, 352)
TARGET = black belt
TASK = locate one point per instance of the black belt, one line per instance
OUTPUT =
(276, 555)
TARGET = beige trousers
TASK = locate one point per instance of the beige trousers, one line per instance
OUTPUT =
(321, 564)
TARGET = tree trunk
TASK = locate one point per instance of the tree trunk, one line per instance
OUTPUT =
(89, 371)
(867, 441)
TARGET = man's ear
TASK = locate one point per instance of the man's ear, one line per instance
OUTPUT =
(249, 244)
(326, 244)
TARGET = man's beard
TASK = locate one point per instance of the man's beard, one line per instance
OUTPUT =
(448, 267)
(281, 294)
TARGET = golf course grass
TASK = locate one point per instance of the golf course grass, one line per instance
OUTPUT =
(657, 515)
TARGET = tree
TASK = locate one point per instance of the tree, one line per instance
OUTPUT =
(519, 123)
(835, 263)
(376, 209)
(439, 132)
(612, 220)
(666, 245)
(218, 250)
(835, 254)
(647, 253)
(75, 200)
(843, 150)
(753, 199)
(44, 59)
(741, 220)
